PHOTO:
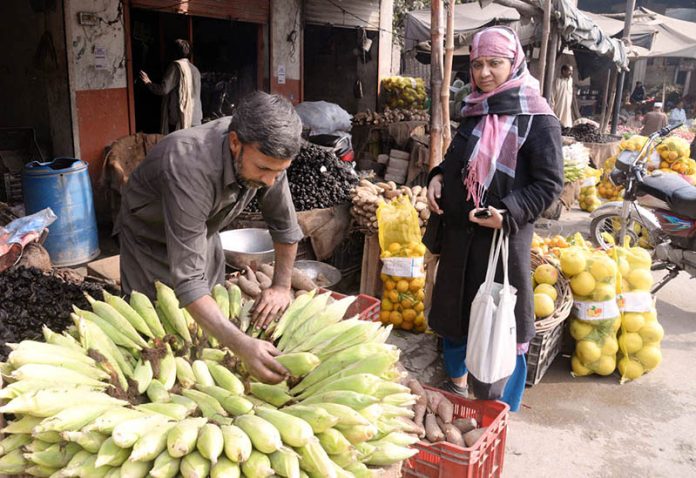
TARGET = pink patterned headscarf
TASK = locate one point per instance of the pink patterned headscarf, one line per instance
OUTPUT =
(499, 134)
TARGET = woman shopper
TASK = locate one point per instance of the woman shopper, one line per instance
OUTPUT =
(506, 158)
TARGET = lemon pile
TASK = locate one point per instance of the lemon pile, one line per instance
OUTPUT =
(402, 300)
(404, 92)
(548, 246)
(588, 199)
(545, 294)
(674, 156)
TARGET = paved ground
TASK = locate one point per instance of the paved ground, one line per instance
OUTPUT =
(594, 427)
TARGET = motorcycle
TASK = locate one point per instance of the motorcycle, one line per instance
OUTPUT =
(666, 222)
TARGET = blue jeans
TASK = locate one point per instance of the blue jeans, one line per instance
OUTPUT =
(454, 354)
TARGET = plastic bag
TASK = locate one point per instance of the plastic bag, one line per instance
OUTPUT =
(404, 92)
(322, 117)
(26, 229)
(588, 199)
(403, 272)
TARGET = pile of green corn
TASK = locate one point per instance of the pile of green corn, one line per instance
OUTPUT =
(135, 390)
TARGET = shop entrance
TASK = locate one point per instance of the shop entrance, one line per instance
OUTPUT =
(227, 53)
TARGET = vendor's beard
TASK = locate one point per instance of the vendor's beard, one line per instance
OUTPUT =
(246, 182)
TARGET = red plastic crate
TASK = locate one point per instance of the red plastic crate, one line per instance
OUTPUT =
(483, 460)
(365, 307)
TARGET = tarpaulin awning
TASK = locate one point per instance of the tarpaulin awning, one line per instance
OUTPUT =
(670, 37)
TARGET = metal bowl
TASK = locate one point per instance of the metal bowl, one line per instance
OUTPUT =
(323, 275)
(243, 247)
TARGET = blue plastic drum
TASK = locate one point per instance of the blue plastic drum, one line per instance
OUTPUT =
(63, 185)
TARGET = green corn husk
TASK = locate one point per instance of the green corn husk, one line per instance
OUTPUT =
(224, 378)
(184, 373)
(291, 313)
(319, 419)
(285, 462)
(245, 316)
(263, 435)
(299, 364)
(142, 305)
(130, 314)
(157, 392)
(331, 315)
(208, 405)
(257, 466)
(143, 375)
(224, 468)
(50, 437)
(165, 466)
(397, 438)
(315, 306)
(276, 395)
(390, 388)
(194, 465)
(13, 442)
(190, 405)
(202, 374)
(170, 410)
(15, 389)
(169, 304)
(48, 402)
(237, 444)
(361, 332)
(151, 444)
(90, 441)
(71, 351)
(340, 472)
(110, 454)
(360, 470)
(346, 415)
(107, 422)
(222, 299)
(70, 470)
(354, 400)
(21, 357)
(37, 445)
(390, 411)
(93, 338)
(333, 442)
(364, 450)
(235, 405)
(43, 372)
(112, 331)
(315, 461)
(346, 458)
(210, 442)
(118, 321)
(213, 355)
(373, 412)
(358, 434)
(41, 471)
(89, 469)
(168, 327)
(55, 456)
(182, 439)
(364, 383)
(400, 400)
(294, 431)
(126, 433)
(388, 454)
(113, 473)
(61, 340)
(13, 463)
(71, 419)
(167, 369)
(234, 294)
(135, 469)
(22, 425)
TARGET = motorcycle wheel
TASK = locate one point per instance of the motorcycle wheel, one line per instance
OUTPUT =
(609, 225)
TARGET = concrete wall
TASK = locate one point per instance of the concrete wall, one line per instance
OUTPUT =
(33, 75)
(286, 48)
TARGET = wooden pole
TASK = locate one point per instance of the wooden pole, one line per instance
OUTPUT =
(628, 19)
(447, 80)
(543, 51)
(605, 98)
(435, 154)
(612, 89)
(551, 64)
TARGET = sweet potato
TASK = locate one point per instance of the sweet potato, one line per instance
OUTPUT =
(264, 281)
(465, 425)
(251, 275)
(433, 400)
(432, 430)
(250, 288)
(417, 390)
(301, 281)
(453, 435)
(472, 437)
(267, 269)
(445, 410)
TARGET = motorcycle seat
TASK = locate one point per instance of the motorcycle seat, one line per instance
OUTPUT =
(674, 190)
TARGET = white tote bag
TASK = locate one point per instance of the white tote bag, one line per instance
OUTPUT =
(491, 351)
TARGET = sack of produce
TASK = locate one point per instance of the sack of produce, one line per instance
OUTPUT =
(640, 333)
(606, 188)
(595, 317)
(404, 92)
(588, 200)
(576, 157)
(403, 272)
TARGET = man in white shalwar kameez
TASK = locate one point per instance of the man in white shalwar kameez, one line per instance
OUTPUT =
(562, 100)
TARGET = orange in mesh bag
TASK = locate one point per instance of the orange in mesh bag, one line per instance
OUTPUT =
(403, 274)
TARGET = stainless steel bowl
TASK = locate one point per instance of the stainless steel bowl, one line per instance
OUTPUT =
(246, 246)
(323, 275)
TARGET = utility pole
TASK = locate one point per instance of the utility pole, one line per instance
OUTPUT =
(545, 32)
(447, 80)
(630, 6)
(436, 27)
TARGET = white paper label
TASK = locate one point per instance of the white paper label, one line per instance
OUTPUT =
(595, 310)
(100, 58)
(635, 302)
(587, 182)
(281, 74)
(403, 266)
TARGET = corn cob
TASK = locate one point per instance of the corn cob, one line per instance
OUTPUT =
(315, 461)
(108, 421)
(346, 458)
(48, 373)
(245, 316)
(222, 299)
(190, 405)
(210, 442)
(55, 456)
(299, 364)
(313, 307)
(142, 305)
(89, 469)
(285, 462)
(157, 393)
(397, 438)
(171, 410)
(214, 355)
(72, 353)
(22, 425)
(390, 388)
(152, 443)
(390, 411)
(89, 441)
(168, 327)
(36, 445)
(114, 472)
(182, 439)
(167, 301)
(388, 454)
(167, 369)
(233, 404)
(130, 314)
(364, 383)
(194, 465)
(126, 433)
(346, 415)
(291, 313)
(358, 434)
(263, 435)
(224, 468)
(61, 340)
(257, 466)
(41, 471)
(234, 294)
(14, 441)
(276, 395)
(209, 406)
(15, 389)
(364, 450)
(73, 465)
(48, 402)
(237, 444)
(319, 419)
(202, 374)
(361, 332)
(118, 321)
(184, 373)
(143, 375)
(93, 338)
(354, 400)
(372, 412)
(224, 378)
(400, 399)
(110, 454)
(331, 315)
(135, 469)
(293, 431)
(340, 472)
(333, 441)
(13, 463)
(50, 437)
(165, 466)
(360, 470)
(71, 419)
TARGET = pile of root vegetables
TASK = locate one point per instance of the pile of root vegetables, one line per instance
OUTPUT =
(390, 115)
(137, 389)
(367, 196)
(253, 282)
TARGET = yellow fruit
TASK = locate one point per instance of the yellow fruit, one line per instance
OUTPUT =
(546, 289)
(419, 307)
(420, 295)
(384, 316)
(416, 284)
(572, 261)
(603, 268)
(610, 346)
(402, 286)
(389, 285)
(617, 324)
(604, 292)
(579, 329)
(407, 325)
(394, 248)
(624, 266)
(630, 343)
(650, 316)
(387, 305)
(633, 321)
(407, 303)
(588, 351)
(605, 365)
(651, 332)
(420, 319)
(393, 296)
(639, 258)
(578, 368)
(543, 305)
(395, 318)
(630, 369)
(640, 279)
(421, 327)
(419, 250)
(546, 274)
(409, 315)
(649, 356)
(582, 284)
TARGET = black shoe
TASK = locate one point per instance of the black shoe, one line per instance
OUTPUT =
(449, 386)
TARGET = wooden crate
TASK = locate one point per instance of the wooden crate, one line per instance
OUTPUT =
(370, 282)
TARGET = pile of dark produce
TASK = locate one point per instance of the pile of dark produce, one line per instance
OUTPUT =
(587, 133)
(32, 298)
(318, 179)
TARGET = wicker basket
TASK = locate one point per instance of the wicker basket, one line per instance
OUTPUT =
(564, 301)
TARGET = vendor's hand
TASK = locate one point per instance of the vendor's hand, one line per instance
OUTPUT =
(145, 79)
(434, 193)
(269, 305)
(495, 221)
(258, 356)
